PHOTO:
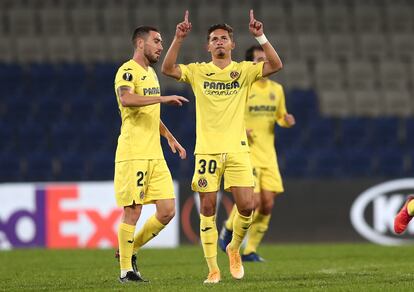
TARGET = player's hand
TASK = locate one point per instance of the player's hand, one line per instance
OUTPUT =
(290, 120)
(183, 28)
(249, 134)
(173, 100)
(175, 146)
(255, 27)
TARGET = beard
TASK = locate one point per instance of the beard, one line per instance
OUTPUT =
(153, 60)
(221, 53)
(151, 57)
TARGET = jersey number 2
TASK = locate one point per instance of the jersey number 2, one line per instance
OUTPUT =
(140, 175)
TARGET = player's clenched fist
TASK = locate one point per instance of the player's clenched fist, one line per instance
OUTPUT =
(290, 120)
(183, 28)
(173, 100)
(255, 26)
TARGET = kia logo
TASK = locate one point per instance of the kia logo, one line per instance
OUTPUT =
(372, 213)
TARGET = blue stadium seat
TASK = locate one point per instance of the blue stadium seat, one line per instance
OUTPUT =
(321, 132)
(82, 107)
(326, 163)
(10, 167)
(101, 166)
(104, 76)
(186, 167)
(173, 160)
(11, 75)
(355, 132)
(303, 104)
(39, 167)
(72, 167)
(409, 132)
(296, 163)
(107, 111)
(50, 107)
(42, 77)
(94, 137)
(358, 163)
(31, 138)
(385, 133)
(64, 137)
(286, 138)
(392, 163)
(7, 132)
(18, 109)
(71, 76)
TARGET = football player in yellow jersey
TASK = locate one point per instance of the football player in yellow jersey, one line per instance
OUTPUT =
(141, 173)
(221, 88)
(265, 107)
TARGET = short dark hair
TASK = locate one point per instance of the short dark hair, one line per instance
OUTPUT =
(141, 32)
(250, 52)
(224, 26)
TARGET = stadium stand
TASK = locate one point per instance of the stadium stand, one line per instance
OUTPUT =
(347, 76)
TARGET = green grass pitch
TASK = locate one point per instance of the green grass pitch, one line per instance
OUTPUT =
(314, 267)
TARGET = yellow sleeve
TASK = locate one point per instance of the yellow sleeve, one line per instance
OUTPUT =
(255, 71)
(125, 78)
(281, 108)
(187, 72)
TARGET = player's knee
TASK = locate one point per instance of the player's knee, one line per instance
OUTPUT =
(257, 202)
(131, 216)
(166, 215)
(208, 209)
(266, 207)
(246, 209)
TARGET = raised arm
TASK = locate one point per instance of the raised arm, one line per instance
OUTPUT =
(172, 142)
(273, 63)
(129, 99)
(169, 66)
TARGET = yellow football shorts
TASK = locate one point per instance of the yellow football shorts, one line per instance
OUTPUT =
(142, 182)
(267, 178)
(210, 168)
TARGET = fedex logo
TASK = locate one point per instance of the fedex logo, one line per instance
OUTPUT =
(58, 216)
(69, 216)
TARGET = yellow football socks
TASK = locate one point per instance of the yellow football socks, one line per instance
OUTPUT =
(410, 208)
(209, 236)
(256, 232)
(150, 229)
(240, 226)
(229, 222)
(126, 244)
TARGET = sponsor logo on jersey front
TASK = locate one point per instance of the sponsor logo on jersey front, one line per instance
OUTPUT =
(152, 91)
(262, 108)
(220, 88)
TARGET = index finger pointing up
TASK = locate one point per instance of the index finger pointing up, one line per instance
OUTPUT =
(251, 15)
(186, 16)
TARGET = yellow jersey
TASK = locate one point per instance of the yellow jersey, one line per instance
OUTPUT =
(140, 130)
(221, 96)
(265, 107)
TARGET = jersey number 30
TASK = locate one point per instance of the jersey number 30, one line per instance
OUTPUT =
(212, 165)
